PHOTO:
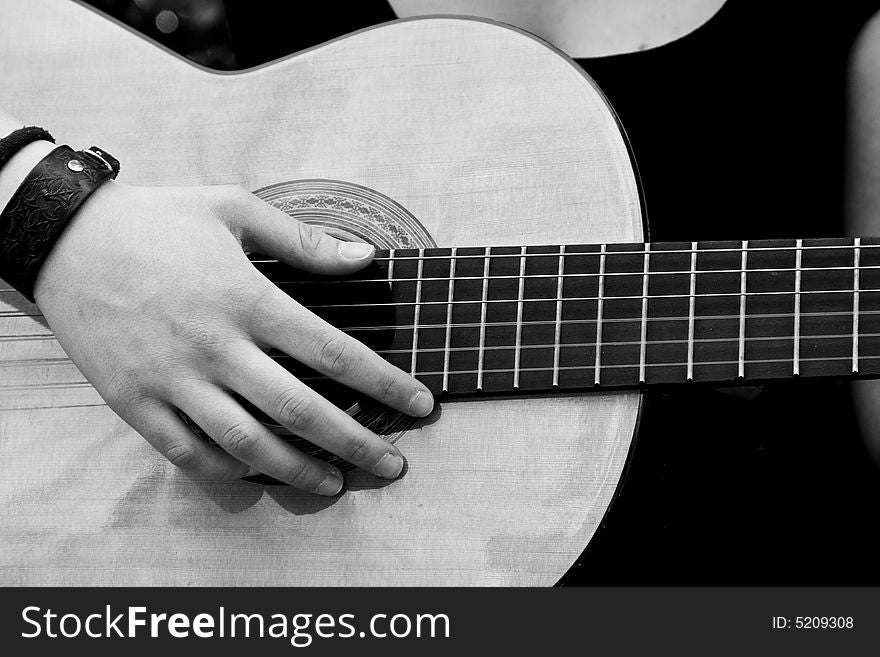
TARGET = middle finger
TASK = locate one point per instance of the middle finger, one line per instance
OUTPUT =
(282, 396)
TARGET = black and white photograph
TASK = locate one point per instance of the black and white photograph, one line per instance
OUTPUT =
(546, 298)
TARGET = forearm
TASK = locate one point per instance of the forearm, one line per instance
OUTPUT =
(18, 167)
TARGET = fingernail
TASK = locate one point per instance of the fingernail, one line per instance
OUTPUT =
(421, 404)
(331, 485)
(355, 250)
(389, 466)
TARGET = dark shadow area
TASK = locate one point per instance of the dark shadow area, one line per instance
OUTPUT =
(232, 496)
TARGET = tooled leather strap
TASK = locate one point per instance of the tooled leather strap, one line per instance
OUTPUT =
(43, 205)
(18, 139)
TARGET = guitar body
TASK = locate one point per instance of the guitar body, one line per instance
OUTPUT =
(480, 134)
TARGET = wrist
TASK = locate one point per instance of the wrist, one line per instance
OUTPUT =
(39, 210)
(17, 169)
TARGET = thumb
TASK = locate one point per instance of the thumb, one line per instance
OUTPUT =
(266, 229)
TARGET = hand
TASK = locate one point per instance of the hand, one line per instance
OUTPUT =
(152, 296)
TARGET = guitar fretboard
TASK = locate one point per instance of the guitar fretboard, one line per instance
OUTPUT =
(539, 318)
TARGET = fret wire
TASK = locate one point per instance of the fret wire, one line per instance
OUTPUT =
(391, 279)
(449, 298)
(557, 336)
(599, 309)
(416, 313)
(483, 309)
(643, 347)
(583, 275)
(519, 316)
(796, 367)
(855, 339)
(691, 306)
(743, 285)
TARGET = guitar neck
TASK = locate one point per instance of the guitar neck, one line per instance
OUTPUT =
(543, 318)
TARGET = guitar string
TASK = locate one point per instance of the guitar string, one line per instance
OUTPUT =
(635, 366)
(551, 345)
(491, 277)
(590, 368)
(703, 272)
(653, 297)
(650, 297)
(564, 275)
(454, 325)
(751, 249)
(576, 255)
(394, 253)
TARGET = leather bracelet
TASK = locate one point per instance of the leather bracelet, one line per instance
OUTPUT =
(42, 207)
(18, 139)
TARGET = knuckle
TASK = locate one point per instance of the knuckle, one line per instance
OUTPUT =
(205, 337)
(240, 290)
(182, 455)
(309, 238)
(388, 387)
(239, 439)
(295, 409)
(208, 337)
(337, 358)
(123, 390)
(228, 203)
(297, 474)
(252, 299)
(356, 449)
(248, 296)
(229, 473)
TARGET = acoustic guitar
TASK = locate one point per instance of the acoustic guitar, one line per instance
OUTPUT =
(449, 144)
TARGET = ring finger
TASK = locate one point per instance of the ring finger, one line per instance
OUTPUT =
(279, 394)
(242, 436)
